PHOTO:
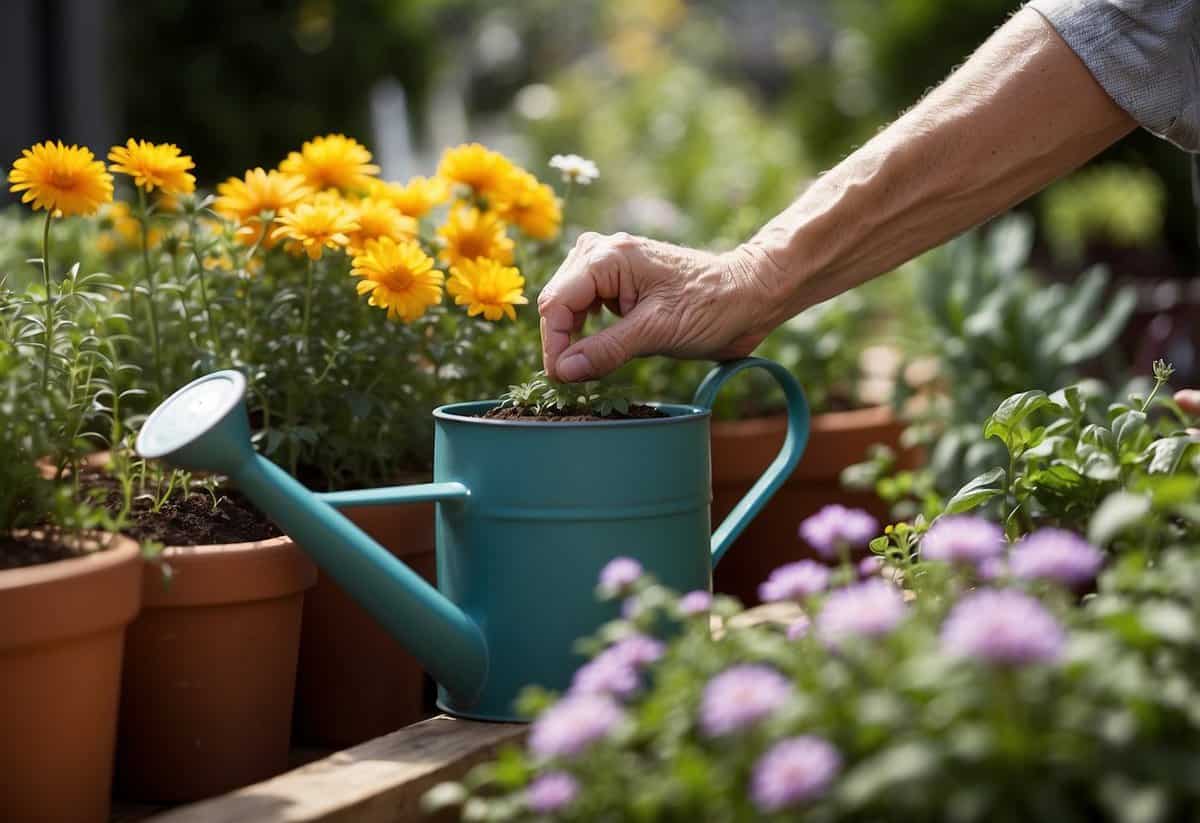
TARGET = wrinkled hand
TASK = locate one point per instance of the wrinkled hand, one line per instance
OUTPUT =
(671, 300)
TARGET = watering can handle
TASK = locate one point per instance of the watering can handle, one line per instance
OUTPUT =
(783, 464)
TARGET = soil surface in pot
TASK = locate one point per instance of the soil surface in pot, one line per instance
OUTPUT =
(17, 552)
(185, 520)
(636, 411)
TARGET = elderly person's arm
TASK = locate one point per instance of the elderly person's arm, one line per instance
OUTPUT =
(1021, 112)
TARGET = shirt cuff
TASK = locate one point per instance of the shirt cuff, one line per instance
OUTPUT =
(1139, 53)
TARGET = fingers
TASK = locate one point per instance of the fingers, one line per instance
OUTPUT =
(597, 271)
(1189, 401)
(606, 350)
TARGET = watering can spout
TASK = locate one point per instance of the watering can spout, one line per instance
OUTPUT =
(204, 426)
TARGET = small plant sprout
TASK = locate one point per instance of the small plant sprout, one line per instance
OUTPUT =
(541, 395)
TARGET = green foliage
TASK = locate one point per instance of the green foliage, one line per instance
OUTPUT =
(57, 376)
(1106, 734)
(1072, 461)
(997, 331)
(1114, 205)
(541, 395)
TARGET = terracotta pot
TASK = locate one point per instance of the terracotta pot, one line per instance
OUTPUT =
(62, 630)
(355, 682)
(206, 700)
(742, 449)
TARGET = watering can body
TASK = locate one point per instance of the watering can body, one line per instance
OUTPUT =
(528, 514)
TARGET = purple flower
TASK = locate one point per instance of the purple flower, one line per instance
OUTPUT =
(835, 527)
(551, 792)
(962, 539)
(574, 723)
(993, 568)
(694, 603)
(615, 670)
(795, 581)
(798, 628)
(868, 609)
(870, 565)
(1058, 555)
(793, 771)
(635, 650)
(619, 574)
(741, 696)
(1002, 626)
(605, 674)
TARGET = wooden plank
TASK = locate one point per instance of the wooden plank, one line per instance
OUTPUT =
(381, 781)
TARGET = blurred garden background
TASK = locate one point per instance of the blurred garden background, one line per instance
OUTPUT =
(705, 117)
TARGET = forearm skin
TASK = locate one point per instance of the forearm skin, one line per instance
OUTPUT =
(1020, 113)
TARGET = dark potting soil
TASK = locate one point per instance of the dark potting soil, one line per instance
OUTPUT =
(16, 553)
(189, 519)
(636, 411)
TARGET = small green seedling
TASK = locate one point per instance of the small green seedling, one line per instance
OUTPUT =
(541, 396)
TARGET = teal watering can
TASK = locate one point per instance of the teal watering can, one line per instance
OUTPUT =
(528, 513)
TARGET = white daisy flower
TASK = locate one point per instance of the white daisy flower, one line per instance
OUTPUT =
(575, 169)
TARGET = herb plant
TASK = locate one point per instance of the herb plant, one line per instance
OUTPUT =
(541, 395)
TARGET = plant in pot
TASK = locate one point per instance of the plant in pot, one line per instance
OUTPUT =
(69, 585)
(209, 670)
(263, 279)
(989, 690)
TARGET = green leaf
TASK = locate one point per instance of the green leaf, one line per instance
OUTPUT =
(1116, 513)
(1166, 453)
(1068, 398)
(1127, 427)
(1169, 621)
(1103, 333)
(983, 488)
(1012, 412)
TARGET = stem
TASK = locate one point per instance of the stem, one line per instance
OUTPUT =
(51, 302)
(143, 221)
(214, 341)
(308, 282)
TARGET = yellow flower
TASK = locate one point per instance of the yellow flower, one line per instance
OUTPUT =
(399, 276)
(532, 207)
(64, 179)
(488, 173)
(470, 233)
(315, 225)
(154, 166)
(332, 162)
(244, 200)
(378, 218)
(416, 197)
(487, 287)
(126, 230)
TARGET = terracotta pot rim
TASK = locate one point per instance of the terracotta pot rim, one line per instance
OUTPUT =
(215, 574)
(225, 549)
(117, 551)
(53, 602)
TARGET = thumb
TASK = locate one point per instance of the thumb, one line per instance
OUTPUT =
(606, 350)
